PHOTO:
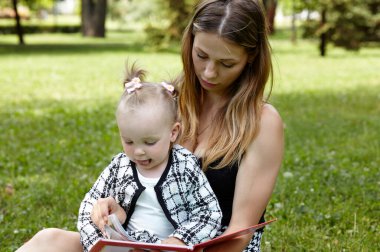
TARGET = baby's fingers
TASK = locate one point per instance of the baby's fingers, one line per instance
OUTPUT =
(101, 221)
(99, 214)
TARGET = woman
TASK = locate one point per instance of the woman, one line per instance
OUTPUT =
(226, 121)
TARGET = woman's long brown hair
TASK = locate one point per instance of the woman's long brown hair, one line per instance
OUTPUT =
(237, 122)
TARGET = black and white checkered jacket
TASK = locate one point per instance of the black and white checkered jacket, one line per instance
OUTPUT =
(183, 191)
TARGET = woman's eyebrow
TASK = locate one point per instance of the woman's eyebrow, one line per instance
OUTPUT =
(234, 60)
(198, 49)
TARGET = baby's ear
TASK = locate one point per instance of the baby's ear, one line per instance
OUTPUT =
(175, 132)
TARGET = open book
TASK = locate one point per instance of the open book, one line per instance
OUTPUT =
(119, 241)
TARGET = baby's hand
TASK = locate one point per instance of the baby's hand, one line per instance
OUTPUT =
(173, 240)
(104, 207)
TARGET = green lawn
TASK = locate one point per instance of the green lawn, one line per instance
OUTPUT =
(57, 133)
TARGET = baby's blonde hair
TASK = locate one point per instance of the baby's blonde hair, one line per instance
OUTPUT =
(137, 93)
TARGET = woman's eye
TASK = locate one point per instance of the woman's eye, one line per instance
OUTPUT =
(227, 65)
(201, 56)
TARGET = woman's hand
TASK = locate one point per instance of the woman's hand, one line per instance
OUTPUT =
(236, 244)
(173, 240)
(104, 207)
(170, 240)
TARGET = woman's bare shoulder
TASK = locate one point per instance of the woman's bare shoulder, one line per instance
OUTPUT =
(270, 137)
(270, 116)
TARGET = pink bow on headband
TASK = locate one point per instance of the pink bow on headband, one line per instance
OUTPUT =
(168, 87)
(134, 84)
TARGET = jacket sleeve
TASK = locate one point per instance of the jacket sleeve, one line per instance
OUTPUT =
(205, 214)
(103, 187)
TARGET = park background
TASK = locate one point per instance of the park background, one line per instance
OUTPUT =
(60, 80)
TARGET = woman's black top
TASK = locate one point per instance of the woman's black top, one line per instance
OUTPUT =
(223, 182)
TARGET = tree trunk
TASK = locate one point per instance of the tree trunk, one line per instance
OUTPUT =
(94, 18)
(270, 7)
(323, 42)
(294, 28)
(18, 24)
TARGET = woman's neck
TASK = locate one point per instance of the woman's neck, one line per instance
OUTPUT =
(211, 104)
(209, 109)
(213, 101)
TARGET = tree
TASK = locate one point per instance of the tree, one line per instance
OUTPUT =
(323, 34)
(353, 22)
(270, 7)
(174, 16)
(94, 18)
(32, 5)
(178, 18)
(345, 23)
(19, 29)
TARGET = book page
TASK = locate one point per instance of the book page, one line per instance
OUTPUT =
(105, 245)
(115, 231)
(119, 241)
(222, 238)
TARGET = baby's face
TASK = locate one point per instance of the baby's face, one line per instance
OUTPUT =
(146, 135)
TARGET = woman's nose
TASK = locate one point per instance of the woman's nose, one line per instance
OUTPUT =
(210, 70)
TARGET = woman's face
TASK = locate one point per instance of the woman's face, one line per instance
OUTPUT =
(218, 62)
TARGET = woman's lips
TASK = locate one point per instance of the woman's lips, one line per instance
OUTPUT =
(208, 84)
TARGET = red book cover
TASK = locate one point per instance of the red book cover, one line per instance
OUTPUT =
(109, 245)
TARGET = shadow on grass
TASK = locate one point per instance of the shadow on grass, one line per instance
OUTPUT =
(67, 48)
(60, 48)
(116, 41)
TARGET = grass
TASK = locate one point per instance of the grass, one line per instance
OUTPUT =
(57, 132)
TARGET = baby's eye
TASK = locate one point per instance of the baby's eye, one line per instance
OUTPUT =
(128, 142)
(150, 143)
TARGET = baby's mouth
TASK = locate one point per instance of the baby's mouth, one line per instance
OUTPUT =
(143, 162)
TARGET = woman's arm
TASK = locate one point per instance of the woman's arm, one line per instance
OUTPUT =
(256, 178)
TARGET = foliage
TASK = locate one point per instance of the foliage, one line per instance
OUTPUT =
(176, 15)
(58, 132)
(353, 23)
(36, 5)
(150, 15)
(117, 9)
(290, 6)
(135, 11)
(349, 22)
(163, 21)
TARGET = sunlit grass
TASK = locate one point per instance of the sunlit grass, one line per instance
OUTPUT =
(57, 132)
